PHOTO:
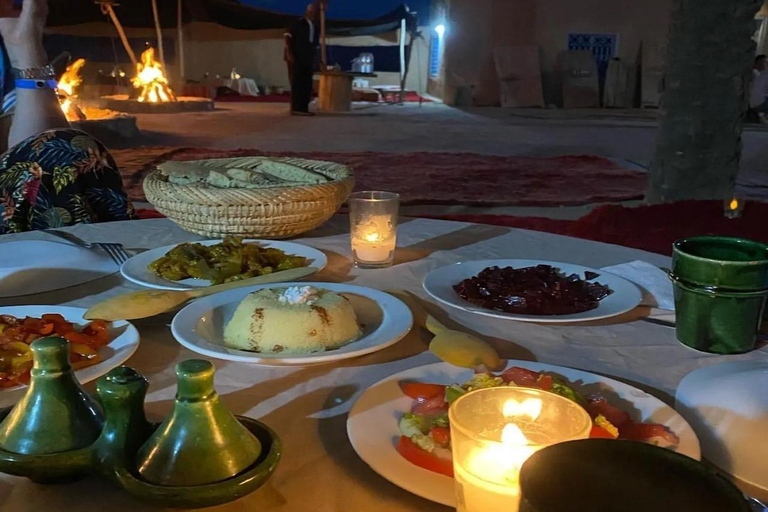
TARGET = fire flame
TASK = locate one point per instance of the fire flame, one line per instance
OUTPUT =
(734, 204)
(67, 87)
(151, 80)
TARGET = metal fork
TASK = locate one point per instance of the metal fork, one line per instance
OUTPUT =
(115, 251)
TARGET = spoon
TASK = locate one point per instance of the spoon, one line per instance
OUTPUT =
(147, 303)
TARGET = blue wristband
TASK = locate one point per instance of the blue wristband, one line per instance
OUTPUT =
(29, 83)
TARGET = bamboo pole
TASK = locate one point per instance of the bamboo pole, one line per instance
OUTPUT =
(180, 52)
(159, 32)
(107, 8)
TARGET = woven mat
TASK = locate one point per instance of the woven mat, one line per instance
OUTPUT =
(441, 178)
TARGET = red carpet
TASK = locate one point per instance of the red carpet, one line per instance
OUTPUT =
(269, 98)
(410, 97)
(651, 228)
(442, 178)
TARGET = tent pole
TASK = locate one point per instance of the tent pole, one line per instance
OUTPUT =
(323, 48)
(403, 71)
(111, 12)
(180, 44)
(159, 32)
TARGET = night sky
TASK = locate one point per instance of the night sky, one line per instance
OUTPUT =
(359, 9)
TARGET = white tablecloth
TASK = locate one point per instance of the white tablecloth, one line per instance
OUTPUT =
(307, 407)
(245, 86)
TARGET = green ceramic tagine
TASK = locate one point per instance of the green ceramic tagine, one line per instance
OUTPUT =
(56, 414)
(201, 442)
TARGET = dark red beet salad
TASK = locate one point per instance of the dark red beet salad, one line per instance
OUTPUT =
(539, 290)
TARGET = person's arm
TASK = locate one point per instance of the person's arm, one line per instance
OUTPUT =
(290, 41)
(288, 50)
(36, 110)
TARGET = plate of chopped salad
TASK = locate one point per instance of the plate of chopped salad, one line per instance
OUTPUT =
(399, 426)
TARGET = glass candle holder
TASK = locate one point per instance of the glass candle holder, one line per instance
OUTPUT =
(373, 220)
(494, 431)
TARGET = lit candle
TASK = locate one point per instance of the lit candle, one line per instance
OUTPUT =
(494, 431)
(373, 224)
(375, 239)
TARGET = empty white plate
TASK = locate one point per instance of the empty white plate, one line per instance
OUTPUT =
(373, 429)
(625, 297)
(136, 269)
(124, 340)
(200, 325)
(727, 405)
(37, 266)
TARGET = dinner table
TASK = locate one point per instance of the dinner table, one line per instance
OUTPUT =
(308, 406)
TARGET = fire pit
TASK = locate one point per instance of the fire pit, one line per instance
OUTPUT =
(153, 92)
(101, 123)
(125, 103)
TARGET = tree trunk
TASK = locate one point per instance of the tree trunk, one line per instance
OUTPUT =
(709, 65)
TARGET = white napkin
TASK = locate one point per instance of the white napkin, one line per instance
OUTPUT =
(656, 286)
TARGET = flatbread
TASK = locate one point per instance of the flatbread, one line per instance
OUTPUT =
(245, 172)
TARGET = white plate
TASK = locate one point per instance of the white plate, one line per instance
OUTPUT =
(625, 297)
(727, 404)
(37, 266)
(373, 421)
(200, 325)
(136, 269)
(124, 340)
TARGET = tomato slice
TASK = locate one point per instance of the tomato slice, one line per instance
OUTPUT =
(423, 458)
(545, 382)
(597, 405)
(600, 433)
(422, 391)
(646, 431)
(521, 377)
(441, 435)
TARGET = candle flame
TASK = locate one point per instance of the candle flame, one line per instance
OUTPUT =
(734, 204)
(530, 407)
(372, 237)
(512, 435)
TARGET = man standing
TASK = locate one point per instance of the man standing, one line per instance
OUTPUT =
(300, 49)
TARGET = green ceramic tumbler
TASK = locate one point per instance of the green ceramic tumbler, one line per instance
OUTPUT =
(721, 287)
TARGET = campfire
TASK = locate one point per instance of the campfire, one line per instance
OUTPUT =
(67, 88)
(151, 81)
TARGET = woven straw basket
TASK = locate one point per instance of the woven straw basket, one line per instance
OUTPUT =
(275, 212)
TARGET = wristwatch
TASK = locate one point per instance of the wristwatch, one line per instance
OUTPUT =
(42, 73)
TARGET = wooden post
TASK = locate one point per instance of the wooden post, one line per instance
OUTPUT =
(323, 50)
(107, 9)
(159, 32)
(180, 43)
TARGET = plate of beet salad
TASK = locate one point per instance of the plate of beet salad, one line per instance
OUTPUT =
(532, 290)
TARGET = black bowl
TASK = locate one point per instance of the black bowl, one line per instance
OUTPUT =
(601, 475)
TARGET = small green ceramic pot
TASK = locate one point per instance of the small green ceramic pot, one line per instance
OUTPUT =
(52, 468)
(201, 496)
(721, 286)
(606, 474)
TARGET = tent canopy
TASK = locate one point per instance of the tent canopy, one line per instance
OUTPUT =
(228, 13)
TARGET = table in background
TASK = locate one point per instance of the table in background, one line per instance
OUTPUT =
(308, 406)
(335, 93)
